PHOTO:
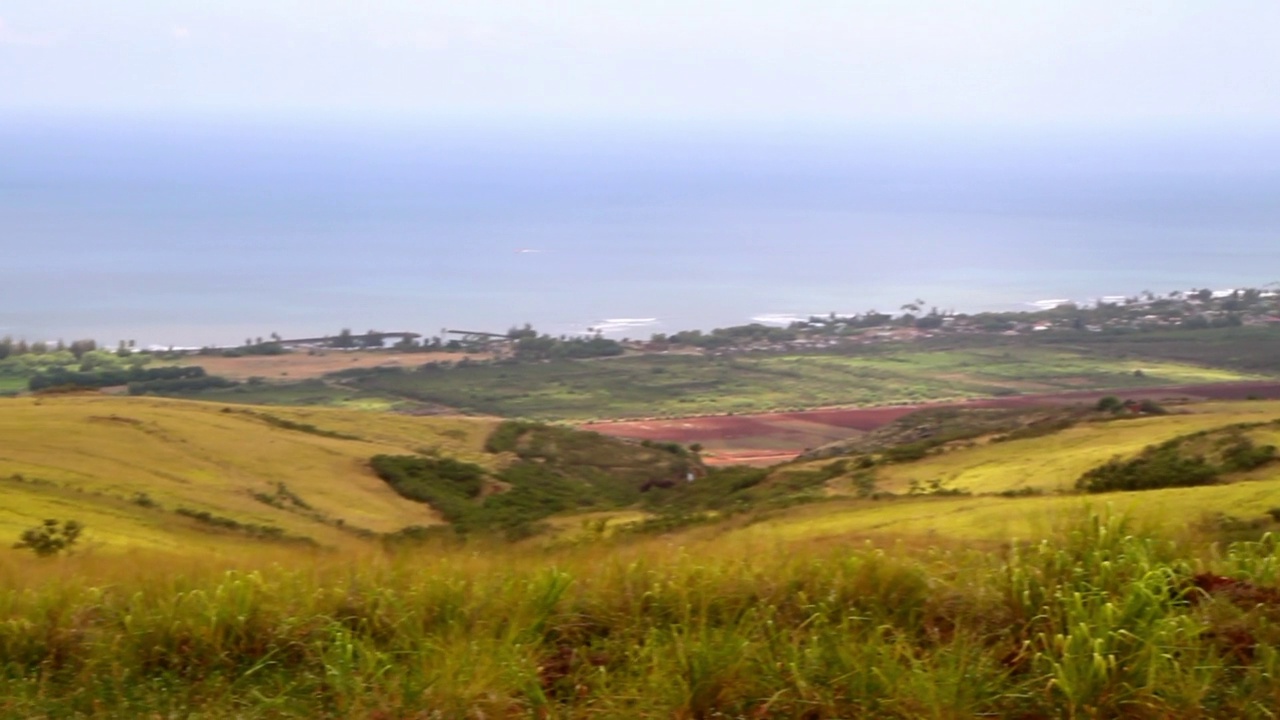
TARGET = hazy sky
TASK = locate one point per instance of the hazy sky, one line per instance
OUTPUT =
(1204, 62)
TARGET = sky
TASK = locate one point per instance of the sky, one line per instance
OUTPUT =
(990, 62)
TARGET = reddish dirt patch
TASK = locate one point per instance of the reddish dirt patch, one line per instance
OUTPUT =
(756, 459)
(769, 438)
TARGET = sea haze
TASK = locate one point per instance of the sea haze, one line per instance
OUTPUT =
(190, 233)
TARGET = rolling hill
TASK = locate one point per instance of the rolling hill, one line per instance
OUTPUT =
(180, 475)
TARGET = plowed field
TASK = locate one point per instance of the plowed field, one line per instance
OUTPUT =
(769, 438)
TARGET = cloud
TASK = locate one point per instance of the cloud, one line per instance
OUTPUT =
(11, 37)
(180, 32)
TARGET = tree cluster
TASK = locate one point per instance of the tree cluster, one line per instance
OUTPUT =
(546, 347)
(1197, 459)
(50, 538)
(110, 377)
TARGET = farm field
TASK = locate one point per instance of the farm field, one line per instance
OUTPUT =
(768, 438)
(657, 385)
(302, 365)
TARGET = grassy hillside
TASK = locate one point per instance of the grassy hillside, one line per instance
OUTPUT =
(1094, 616)
(179, 475)
(749, 593)
(123, 466)
(1053, 462)
(1017, 488)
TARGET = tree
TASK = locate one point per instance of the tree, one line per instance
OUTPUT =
(50, 538)
(344, 339)
(1110, 403)
(80, 347)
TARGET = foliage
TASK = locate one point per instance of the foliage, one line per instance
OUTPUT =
(1109, 403)
(50, 538)
(1240, 454)
(1094, 619)
(1159, 466)
(506, 436)
(62, 376)
(1189, 460)
(687, 384)
(545, 347)
(288, 424)
(430, 480)
(178, 386)
(556, 470)
(733, 489)
(254, 530)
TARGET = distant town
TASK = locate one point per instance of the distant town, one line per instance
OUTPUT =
(1190, 310)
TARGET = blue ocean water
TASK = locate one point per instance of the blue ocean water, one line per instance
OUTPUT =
(189, 233)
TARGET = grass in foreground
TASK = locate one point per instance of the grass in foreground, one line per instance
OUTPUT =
(1096, 620)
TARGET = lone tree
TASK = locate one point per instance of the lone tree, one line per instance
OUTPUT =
(50, 538)
(1110, 403)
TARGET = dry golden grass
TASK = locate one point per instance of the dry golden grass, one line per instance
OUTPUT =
(88, 457)
(303, 365)
(1050, 464)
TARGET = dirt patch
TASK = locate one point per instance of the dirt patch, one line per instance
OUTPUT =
(303, 365)
(754, 459)
(769, 438)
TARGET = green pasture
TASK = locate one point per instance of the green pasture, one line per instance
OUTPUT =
(657, 385)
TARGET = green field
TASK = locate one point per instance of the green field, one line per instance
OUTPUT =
(1251, 349)
(656, 385)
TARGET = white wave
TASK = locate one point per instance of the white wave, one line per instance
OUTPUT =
(1049, 304)
(630, 321)
(783, 319)
(617, 326)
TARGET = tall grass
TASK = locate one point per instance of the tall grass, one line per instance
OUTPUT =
(1096, 620)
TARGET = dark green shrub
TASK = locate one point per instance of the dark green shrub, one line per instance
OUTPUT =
(1242, 455)
(50, 537)
(1110, 403)
(1159, 466)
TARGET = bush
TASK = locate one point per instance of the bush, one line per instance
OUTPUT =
(1110, 403)
(506, 437)
(50, 538)
(1159, 466)
(1242, 455)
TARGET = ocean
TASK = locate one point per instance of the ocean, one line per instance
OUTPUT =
(190, 233)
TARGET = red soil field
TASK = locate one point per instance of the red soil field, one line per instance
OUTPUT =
(770, 438)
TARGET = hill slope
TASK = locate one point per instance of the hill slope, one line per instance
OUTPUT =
(124, 466)
(181, 475)
(981, 489)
